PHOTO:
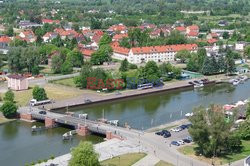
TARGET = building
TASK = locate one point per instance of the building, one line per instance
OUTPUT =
(139, 55)
(28, 36)
(120, 28)
(49, 21)
(17, 82)
(26, 24)
(119, 37)
(239, 46)
(87, 53)
(4, 41)
(49, 36)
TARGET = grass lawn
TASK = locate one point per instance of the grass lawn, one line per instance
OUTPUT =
(124, 160)
(55, 92)
(163, 163)
(66, 82)
(189, 151)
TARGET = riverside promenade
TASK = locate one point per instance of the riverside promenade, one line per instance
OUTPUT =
(95, 97)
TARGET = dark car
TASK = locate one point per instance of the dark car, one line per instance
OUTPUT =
(183, 127)
(43, 112)
(189, 138)
(189, 125)
(175, 143)
(186, 140)
(87, 101)
(166, 135)
(159, 133)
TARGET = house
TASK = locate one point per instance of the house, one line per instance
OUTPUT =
(212, 41)
(26, 24)
(239, 46)
(193, 35)
(118, 37)
(212, 36)
(192, 28)
(49, 21)
(27, 36)
(4, 41)
(17, 82)
(181, 29)
(87, 53)
(120, 28)
(49, 36)
(137, 55)
(222, 23)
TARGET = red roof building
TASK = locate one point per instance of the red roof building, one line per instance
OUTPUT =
(120, 28)
(118, 37)
(49, 21)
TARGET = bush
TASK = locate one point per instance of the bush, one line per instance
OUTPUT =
(133, 66)
(9, 109)
(9, 96)
(39, 93)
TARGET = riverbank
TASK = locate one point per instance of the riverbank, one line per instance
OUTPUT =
(94, 98)
(5, 120)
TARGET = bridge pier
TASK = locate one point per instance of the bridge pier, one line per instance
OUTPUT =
(110, 135)
(49, 122)
(26, 116)
(82, 130)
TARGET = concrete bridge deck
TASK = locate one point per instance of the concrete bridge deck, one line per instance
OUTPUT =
(83, 126)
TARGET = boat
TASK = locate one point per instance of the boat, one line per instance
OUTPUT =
(189, 114)
(236, 82)
(114, 122)
(198, 85)
(69, 135)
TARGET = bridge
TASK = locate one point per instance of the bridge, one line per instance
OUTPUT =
(83, 126)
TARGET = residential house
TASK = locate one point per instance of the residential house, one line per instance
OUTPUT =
(26, 24)
(49, 36)
(49, 21)
(222, 23)
(27, 36)
(212, 36)
(192, 31)
(239, 46)
(87, 53)
(181, 29)
(17, 82)
(119, 37)
(120, 28)
(4, 41)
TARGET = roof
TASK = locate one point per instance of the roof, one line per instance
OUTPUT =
(193, 33)
(119, 36)
(181, 29)
(17, 77)
(5, 39)
(162, 49)
(49, 21)
(211, 41)
(87, 52)
(214, 34)
(193, 28)
(118, 28)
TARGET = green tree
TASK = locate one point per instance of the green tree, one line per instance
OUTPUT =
(67, 67)
(18, 42)
(56, 63)
(35, 70)
(212, 133)
(10, 31)
(84, 155)
(81, 80)
(248, 110)
(8, 109)
(225, 35)
(183, 55)
(103, 54)
(57, 41)
(124, 65)
(247, 51)
(105, 39)
(150, 72)
(9, 96)
(75, 57)
(39, 93)
(95, 23)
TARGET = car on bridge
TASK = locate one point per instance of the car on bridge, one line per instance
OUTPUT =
(43, 112)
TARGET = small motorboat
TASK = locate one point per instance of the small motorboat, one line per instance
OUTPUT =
(189, 114)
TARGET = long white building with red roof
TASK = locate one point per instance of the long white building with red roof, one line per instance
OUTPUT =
(139, 55)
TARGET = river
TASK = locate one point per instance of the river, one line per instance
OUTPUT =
(19, 146)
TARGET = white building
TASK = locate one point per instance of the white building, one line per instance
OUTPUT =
(239, 46)
(17, 82)
(139, 55)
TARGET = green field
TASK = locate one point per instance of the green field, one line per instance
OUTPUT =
(124, 160)
(65, 82)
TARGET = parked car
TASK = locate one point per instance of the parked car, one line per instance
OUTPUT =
(43, 112)
(181, 142)
(186, 140)
(189, 138)
(159, 133)
(175, 143)
(183, 126)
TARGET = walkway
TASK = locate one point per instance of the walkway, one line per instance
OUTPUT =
(149, 160)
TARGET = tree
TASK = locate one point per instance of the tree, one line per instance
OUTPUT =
(9, 96)
(39, 93)
(75, 57)
(247, 51)
(57, 41)
(56, 63)
(81, 81)
(212, 133)
(84, 155)
(225, 35)
(229, 61)
(18, 42)
(35, 70)
(105, 39)
(248, 110)
(8, 109)
(124, 65)
(10, 31)
(103, 54)
(95, 23)
(150, 73)
(67, 67)
(183, 55)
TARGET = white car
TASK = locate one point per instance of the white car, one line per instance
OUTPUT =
(177, 129)
(181, 142)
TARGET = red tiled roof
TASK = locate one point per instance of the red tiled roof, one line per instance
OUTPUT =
(5, 39)
(193, 33)
(211, 41)
(181, 29)
(214, 34)
(121, 50)
(119, 36)
(161, 49)
(193, 28)
(87, 52)
(118, 28)
(49, 21)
